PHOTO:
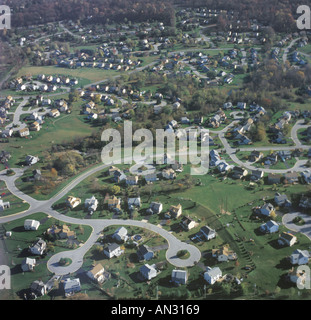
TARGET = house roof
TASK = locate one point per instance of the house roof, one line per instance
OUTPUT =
(300, 253)
(122, 232)
(179, 275)
(287, 236)
(213, 272)
(143, 249)
(112, 247)
(207, 230)
(96, 269)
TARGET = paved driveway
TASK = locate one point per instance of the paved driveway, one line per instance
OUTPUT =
(305, 229)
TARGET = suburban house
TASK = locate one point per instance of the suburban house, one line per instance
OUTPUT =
(208, 233)
(120, 235)
(73, 202)
(281, 200)
(155, 208)
(212, 274)
(239, 173)
(151, 177)
(306, 175)
(144, 252)
(38, 247)
(299, 257)
(38, 288)
(7, 133)
(4, 205)
(298, 277)
(35, 126)
(168, 173)
(187, 223)
(175, 211)
(291, 177)
(134, 202)
(112, 170)
(287, 239)
(179, 276)
(71, 286)
(178, 167)
(148, 272)
(23, 132)
(255, 156)
(119, 176)
(269, 227)
(30, 160)
(91, 204)
(28, 264)
(31, 224)
(112, 202)
(274, 178)
(131, 180)
(214, 157)
(271, 159)
(36, 175)
(96, 273)
(54, 113)
(266, 209)
(62, 232)
(113, 250)
(241, 105)
(224, 254)
(256, 175)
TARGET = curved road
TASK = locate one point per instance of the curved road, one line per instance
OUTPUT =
(97, 226)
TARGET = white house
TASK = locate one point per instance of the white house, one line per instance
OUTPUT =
(73, 202)
(38, 248)
(91, 204)
(287, 239)
(299, 257)
(113, 250)
(155, 208)
(208, 233)
(71, 286)
(148, 272)
(4, 205)
(31, 224)
(212, 274)
(28, 264)
(30, 160)
(120, 234)
(7, 133)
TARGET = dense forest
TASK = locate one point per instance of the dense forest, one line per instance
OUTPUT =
(279, 14)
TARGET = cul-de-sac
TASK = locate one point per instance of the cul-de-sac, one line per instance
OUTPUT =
(233, 76)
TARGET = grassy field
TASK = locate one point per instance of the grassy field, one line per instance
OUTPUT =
(64, 128)
(90, 74)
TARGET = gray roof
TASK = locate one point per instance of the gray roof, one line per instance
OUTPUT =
(112, 247)
(207, 230)
(179, 275)
(213, 272)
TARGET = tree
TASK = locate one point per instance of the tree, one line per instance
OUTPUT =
(114, 189)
